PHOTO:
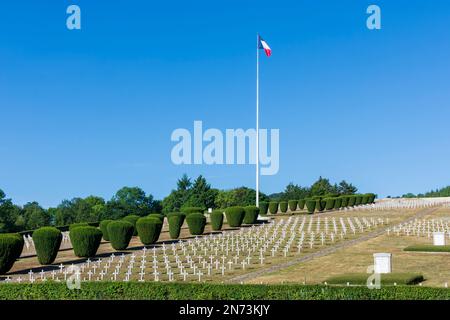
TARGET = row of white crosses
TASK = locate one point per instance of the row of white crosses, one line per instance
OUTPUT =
(421, 228)
(402, 203)
(214, 256)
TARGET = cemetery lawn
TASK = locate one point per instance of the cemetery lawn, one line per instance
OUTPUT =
(357, 258)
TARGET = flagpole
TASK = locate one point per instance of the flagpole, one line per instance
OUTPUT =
(257, 120)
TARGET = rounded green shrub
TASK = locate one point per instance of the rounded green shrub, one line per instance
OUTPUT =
(292, 205)
(344, 201)
(85, 241)
(11, 246)
(351, 201)
(76, 225)
(273, 207)
(216, 220)
(301, 204)
(358, 200)
(175, 220)
(120, 233)
(104, 228)
(235, 216)
(372, 197)
(329, 203)
(263, 207)
(283, 206)
(337, 203)
(251, 214)
(156, 215)
(311, 205)
(196, 223)
(365, 199)
(132, 218)
(149, 229)
(320, 205)
(188, 210)
(47, 241)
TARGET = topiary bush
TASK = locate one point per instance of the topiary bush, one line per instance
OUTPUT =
(372, 197)
(196, 223)
(337, 203)
(311, 205)
(120, 233)
(11, 246)
(76, 225)
(149, 229)
(301, 204)
(273, 207)
(251, 214)
(175, 220)
(104, 228)
(47, 241)
(351, 201)
(344, 201)
(320, 205)
(283, 206)
(329, 203)
(358, 200)
(132, 218)
(292, 205)
(263, 207)
(157, 215)
(85, 241)
(216, 220)
(188, 210)
(235, 216)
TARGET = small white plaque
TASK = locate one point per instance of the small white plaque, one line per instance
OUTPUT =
(439, 238)
(382, 262)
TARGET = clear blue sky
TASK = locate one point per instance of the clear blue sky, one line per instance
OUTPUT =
(87, 112)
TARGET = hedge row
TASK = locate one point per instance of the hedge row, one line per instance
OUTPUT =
(11, 246)
(194, 291)
(317, 203)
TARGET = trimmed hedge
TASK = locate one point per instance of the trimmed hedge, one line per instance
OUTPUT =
(104, 228)
(329, 203)
(196, 223)
(132, 218)
(251, 214)
(175, 220)
(351, 201)
(149, 229)
(273, 207)
(386, 279)
(311, 205)
(292, 205)
(157, 215)
(358, 200)
(120, 233)
(301, 204)
(11, 246)
(47, 241)
(320, 205)
(428, 248)
(283, 206)
(344, 201)
(337, 203)
(76, 225)
(235, 216)
(134, 290)
(188, 210)
(216, 218)
(85, 241)
(263, 207)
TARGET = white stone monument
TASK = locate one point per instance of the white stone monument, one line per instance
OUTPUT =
(439, 238)
(382, 262)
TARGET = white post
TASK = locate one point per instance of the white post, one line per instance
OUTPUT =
(257, 120)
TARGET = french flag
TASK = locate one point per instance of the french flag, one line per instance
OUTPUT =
(263, 45)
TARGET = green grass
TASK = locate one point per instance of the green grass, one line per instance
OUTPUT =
(386, 279)
(427, 248)
(193, 291)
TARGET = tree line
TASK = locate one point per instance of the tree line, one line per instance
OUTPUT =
(442, 192)
(134, 201)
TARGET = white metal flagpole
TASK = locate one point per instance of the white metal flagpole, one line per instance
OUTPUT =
(257, 120)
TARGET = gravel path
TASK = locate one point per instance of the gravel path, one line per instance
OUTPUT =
(324, 252)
